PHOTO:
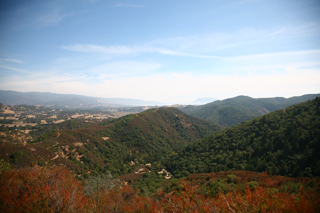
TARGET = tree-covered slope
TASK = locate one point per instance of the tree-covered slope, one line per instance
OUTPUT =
(232, 111)
(285, 142)
(157, 131)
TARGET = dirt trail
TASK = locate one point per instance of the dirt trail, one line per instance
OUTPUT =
(53, 145)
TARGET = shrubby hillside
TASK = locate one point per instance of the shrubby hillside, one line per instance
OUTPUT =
(284, 142)
(54, 189)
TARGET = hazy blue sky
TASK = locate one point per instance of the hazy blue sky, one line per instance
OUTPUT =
(169, 51)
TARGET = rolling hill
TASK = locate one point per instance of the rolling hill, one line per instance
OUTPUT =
(285, 142)
(158, 131)
(232, 111)
(111, 146)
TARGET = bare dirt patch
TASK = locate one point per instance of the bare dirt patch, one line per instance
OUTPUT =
(11, 118)
(168, 175)
(76, 115)
(137, 173)
(21, 124)
(59, 121)
(78, 144)
(88, 116)
(8, 111)
(185, 124)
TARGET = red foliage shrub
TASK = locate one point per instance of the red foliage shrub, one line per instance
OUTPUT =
(56, 190)
(259, 199)
(40, 190)
(125, 199)
(262, 199)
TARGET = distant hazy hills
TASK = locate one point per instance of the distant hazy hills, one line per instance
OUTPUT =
(66, 101)
(232, 111)
(228, 112)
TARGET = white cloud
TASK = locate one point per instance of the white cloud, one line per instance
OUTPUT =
(12, 60)
(14, 69)
(118, 50)
(247, 38)
(124, 68)
(179, 88)
(281, 60)
(125, 50)
(209, 45)
(308, 53)
(54, 17)
(115, 50)
(196, 43)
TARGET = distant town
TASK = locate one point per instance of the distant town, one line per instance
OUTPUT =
(24, 115)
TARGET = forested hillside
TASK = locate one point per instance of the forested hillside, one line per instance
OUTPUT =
(110, 147)
(157, 131)
(232, 111)
(284, 142)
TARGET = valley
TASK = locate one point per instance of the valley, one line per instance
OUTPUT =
(158, 150)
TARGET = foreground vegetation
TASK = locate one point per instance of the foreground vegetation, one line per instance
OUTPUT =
(36, 189)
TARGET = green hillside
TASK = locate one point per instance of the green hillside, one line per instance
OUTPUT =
(284, 142)
(157, 131)
(232, 111)
(111, 146)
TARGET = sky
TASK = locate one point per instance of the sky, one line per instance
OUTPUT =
(170, 51)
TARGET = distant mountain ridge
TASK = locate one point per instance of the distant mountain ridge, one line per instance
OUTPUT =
(64, 101)
(202, 101)
(232, 111)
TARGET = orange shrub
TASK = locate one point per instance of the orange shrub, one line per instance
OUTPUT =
(40, 190)
(56, 190)
(126, 199)
(259, 199)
